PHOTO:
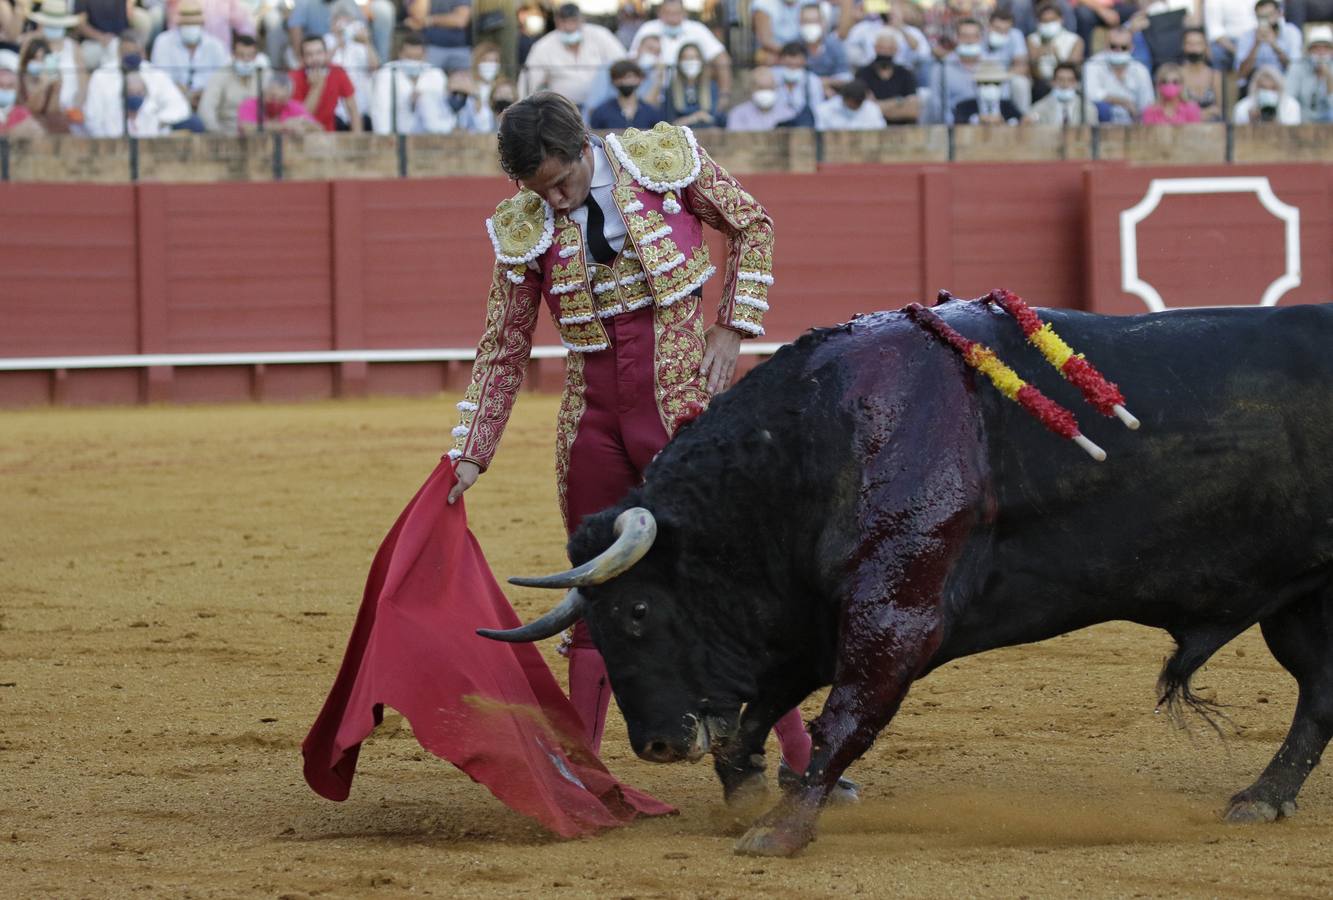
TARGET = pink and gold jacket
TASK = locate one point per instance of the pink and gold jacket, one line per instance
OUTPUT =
(666, 188)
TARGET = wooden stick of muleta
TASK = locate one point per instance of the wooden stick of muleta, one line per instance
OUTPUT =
(1006, 380)
(1104, 396)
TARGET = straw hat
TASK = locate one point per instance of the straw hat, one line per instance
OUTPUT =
(190, 13)
(990, 71)
(1319, 34)
(55, 14)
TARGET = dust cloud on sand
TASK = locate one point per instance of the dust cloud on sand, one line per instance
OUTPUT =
(176, 589)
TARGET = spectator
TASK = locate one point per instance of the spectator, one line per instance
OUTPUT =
(1119, 85)
(383, 18)
(762, 112)
(1203, 83)
(281, 112)
(486, 93)
(989, 106)
(1171, 108)
(776, 23)
(625, 110)
(1006, 45)
(1266, 103)
(649, 57)
(568, 59)
(142, 109)
(410, 94)
(322, 86)
(38, 92)
(849, 110)
(483, 120)
(1273, 42)
(825, 55)
(312, 18)
(914, 51)
(15, 120)
(1226, 22)
(956, 81)
(532, 26)
(67, 68)
(187, 54)
(104, 114)
(691, 95)
(227, 89)
(798, 88)
(1050, 45)
(1064, 104)
(893, 86)
(1089, 15)
(446, 26)
(674, 31)
(349, 46)
(100, 22)
(485, 75)
(223, 19)
(1310, 79)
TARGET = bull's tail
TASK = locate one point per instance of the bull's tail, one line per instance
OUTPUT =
(1175, 693)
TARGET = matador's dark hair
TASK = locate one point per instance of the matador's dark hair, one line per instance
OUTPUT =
(544, 124)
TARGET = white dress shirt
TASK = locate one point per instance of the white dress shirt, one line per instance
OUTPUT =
(190, 70)
(103, 114)
(833, 115)
(691, 32)
(603, 180)
(430, 114)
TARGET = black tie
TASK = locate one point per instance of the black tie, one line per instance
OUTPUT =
(597, 242)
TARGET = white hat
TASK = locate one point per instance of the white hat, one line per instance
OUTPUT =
(1319, 34)
(9, 61)
(56, 14)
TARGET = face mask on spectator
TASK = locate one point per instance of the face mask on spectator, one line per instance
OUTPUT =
(134, 102)
(812, 32)
(1193, 58)
(1170, 91)
(488, 70)
(534, 25)
(350, 31)
(997, 40)
(625, 90)
(1117, 57)
(671, 31)
(1321, 57)
(1064, 95)
(36, 68)
(7, 97)
(412, 68)
(969, 51)
(244, 68)
(570, 38)
(988, 93)
(191, 34)
(1050, 30)
(764, 98)
(1267, 98)
(647, 61)
(883, 62)
(691, 68)
(131, 62)
(791, 76)
(52, 33)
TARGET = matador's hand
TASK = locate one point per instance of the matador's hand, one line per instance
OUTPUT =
(468, 473)
(721, 347)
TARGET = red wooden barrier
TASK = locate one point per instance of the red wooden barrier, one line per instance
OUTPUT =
(349, 265)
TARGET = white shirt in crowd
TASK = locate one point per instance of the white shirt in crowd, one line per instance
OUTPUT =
(422, 99)
(1288, 110)
(860, 44)
(1228, 18)
(354, 57)
(833, 115)
(691, 32)
(103, 114)
(1133, 82)
(69, 72)
(190, 70)
(554, 65)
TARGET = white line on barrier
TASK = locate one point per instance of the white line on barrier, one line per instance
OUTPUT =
(276, 358)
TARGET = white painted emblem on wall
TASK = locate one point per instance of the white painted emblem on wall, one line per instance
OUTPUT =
(1130, 282)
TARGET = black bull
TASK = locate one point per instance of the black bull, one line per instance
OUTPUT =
(864, 508)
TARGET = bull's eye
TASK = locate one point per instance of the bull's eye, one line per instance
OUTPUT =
(639, 610)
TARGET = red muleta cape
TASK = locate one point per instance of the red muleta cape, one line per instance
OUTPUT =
(494, 710)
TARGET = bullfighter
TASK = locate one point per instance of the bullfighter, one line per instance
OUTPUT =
(609, 232)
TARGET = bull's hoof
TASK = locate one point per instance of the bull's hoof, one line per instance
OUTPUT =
(844, 793)
(1244, 812)
(750, 791)
(773, 840)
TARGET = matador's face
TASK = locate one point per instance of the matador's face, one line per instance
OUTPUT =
(563, 185)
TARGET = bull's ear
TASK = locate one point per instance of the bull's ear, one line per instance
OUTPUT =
(569, 611)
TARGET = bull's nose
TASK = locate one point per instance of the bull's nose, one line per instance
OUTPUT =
(660, 751)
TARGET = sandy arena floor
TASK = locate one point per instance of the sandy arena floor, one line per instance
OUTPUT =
(176, 588)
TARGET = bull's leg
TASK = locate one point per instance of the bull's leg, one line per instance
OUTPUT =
(740, 763)
(882, 650)
(1301, 637)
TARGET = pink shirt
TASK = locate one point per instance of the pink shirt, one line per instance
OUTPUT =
(248, 112)
(1186, 113)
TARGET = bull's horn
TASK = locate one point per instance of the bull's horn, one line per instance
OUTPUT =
(635, 531)
(557, 620)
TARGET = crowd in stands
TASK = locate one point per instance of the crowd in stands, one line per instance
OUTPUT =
(108, 68)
